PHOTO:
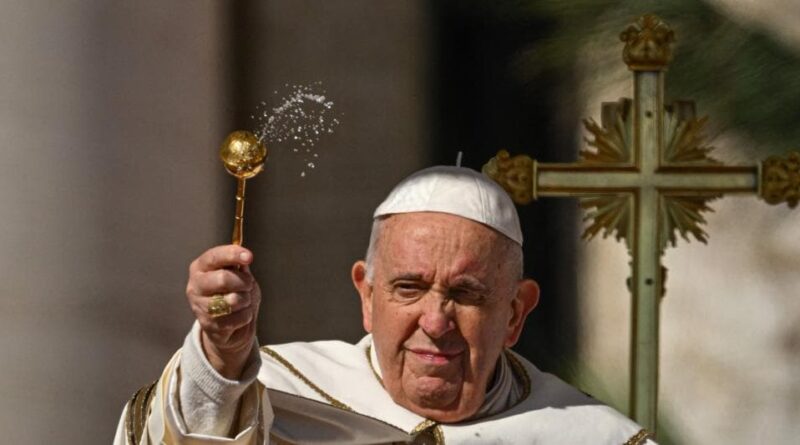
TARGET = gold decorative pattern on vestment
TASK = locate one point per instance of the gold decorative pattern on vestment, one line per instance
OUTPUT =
(425, 424)
(519, 370)
(138, 410)
(428, 432)
(279, 358)
(780, 179)
(516, 175)
(372, 368)
(648, 44)
(639, 438)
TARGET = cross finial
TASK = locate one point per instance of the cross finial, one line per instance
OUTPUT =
(648, 44)
(780, 179)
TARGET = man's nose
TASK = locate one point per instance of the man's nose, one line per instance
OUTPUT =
(437, 315)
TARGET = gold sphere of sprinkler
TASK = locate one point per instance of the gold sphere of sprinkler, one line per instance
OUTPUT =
(243, 156)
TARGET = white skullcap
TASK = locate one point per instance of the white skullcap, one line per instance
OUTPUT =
(457, 191)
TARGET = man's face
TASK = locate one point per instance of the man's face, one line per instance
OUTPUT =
(443, 303)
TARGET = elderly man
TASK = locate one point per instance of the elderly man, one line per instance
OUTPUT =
(442, 297)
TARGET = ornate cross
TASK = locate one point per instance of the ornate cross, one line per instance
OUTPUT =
(646, 177)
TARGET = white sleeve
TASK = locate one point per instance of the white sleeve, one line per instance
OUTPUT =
(119, 436)
(207, 402)
(191, 392)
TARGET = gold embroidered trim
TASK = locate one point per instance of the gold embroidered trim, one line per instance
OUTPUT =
(138, 409)
(519, 369)
(438, 434)
(279, 358)
(428, 429)
(639, 438)
(425, 424)
(369, 360)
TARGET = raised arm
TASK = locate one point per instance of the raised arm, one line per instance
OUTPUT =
(206, 393)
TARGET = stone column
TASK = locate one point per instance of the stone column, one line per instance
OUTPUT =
(110, 117)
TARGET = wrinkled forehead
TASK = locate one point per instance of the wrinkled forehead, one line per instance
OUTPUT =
(425, 236)
(438, 246)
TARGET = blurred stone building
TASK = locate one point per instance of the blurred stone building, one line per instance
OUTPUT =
(110, 118)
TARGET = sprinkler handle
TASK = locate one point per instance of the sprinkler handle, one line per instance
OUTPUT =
(238, 218)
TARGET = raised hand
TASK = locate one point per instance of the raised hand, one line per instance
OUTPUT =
(227, 339)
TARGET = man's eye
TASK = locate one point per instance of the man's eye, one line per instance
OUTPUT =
(466, 296)
(408, 290)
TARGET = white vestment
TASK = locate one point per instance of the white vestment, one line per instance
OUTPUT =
(330, 392)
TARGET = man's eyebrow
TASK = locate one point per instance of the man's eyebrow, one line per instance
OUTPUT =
(407, 276)
(468, 282)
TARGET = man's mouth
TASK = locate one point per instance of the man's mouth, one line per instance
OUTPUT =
(435, 357)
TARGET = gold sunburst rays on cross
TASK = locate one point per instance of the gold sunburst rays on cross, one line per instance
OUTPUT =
(685, 142)
(609, 214)
(612, 138)
(610, 144)
(683, 215)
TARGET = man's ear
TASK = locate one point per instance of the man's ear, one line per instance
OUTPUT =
(523, 303)
(364, 288)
